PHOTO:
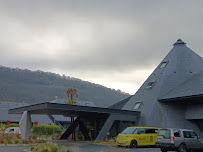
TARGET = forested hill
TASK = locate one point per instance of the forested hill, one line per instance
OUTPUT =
(37, 86)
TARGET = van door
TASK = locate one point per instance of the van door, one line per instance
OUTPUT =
(142, 136)
(151, 136)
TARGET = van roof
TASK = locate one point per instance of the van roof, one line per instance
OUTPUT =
(143, 127)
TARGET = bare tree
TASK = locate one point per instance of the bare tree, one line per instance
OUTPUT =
(71, 93)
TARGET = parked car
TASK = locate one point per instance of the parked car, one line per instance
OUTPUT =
(137, 136)
(15, 130)
(181, 140)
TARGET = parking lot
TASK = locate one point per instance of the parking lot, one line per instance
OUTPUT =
(81, 146)
(92, 147)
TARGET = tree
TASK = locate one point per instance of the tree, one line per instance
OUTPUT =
(70, 93)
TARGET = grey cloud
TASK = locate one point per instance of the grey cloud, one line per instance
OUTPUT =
(123, 35)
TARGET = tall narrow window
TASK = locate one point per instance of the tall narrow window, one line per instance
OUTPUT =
(150, 85)
(163, 64)
(137, 105)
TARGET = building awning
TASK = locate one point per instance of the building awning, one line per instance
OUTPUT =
(68, 110)
(107, 116)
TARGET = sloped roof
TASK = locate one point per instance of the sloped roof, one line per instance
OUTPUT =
(191, 87)
(79, 102)
(120, 104)
(182, 65)
(4, 116)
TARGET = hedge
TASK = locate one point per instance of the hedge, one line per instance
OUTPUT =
(46, 129)
(12, 125)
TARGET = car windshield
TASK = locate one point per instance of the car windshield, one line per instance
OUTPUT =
(129, 131)
(165, 133)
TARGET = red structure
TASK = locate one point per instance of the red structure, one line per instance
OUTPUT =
(35, 122)
(8, 122)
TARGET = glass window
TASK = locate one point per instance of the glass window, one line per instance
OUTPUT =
(137, 105)
(142, 131)
(128, 131)
(165, 133)
(177, 134)
(193, 135)
(150, 85)
(150, 131)
(163, 64)
(11, 130)
(186, 134)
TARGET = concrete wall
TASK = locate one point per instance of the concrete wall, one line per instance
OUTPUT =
(194, 112)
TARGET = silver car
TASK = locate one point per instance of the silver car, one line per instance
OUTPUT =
(181, 140)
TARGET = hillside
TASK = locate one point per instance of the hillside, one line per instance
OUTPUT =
(37, 86)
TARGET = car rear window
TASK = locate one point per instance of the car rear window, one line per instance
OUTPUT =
(128, 131)
(177, 134)
(165, 133)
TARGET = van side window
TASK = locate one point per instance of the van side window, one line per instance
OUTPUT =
(177, 134)
(142, 131)
(150, 131)
(11, 130)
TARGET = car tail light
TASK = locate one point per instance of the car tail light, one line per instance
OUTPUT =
(172, 139)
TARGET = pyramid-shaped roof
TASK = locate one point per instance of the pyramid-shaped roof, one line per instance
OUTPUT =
(190, 88)
(181, 65)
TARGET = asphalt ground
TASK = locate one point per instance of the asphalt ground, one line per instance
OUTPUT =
(80, 146)
(13, 148)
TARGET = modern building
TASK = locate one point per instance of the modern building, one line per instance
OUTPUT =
(101, 119)
(4, 116)
(172, 96)
(63, 121)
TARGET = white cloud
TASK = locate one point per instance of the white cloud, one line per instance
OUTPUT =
(114, 43)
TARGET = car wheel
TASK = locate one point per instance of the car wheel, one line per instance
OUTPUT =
(182, 148)
(133, 144)
(163, 150)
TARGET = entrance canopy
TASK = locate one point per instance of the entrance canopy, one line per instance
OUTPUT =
(68, 110)
(104, 117)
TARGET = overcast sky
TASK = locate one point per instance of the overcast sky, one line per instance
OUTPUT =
(115, 43)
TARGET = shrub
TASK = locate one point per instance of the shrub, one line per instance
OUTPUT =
(2, 125)
(17, 141)
(49, 147)
(13, 125)
(98, 141)
(10, 138)
(45, 129)
(8, 141)
(114, 138)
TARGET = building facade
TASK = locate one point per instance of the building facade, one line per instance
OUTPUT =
(172, 96)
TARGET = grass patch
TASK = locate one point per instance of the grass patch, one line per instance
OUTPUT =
(110, 142)
(98, 141)
(10, 139)
(12, 125)
(49, 147)
(46, 129)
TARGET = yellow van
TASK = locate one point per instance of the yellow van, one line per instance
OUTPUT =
(137, 136)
